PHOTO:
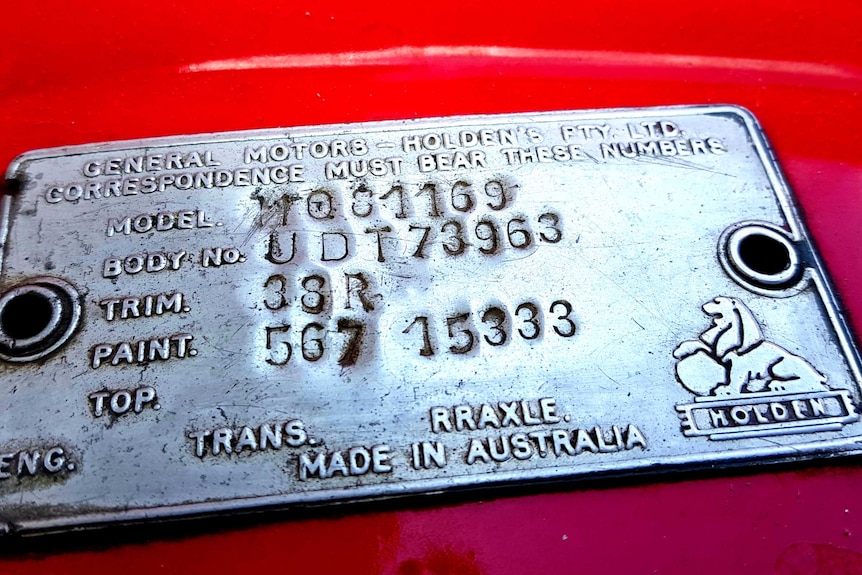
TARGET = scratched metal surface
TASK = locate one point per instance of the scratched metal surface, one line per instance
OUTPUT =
(207, 323)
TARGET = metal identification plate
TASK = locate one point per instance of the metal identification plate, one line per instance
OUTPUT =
(289, 317)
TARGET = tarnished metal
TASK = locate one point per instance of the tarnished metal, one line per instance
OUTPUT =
(202, 324)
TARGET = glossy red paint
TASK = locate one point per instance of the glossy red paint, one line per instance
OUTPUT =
(111, 70)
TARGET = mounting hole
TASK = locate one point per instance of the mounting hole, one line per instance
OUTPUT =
(26, 315)
(36, 318)
(763, 256)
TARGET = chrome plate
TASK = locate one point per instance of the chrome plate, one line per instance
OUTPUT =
(287, 317)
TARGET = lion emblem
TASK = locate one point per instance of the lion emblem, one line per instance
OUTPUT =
(732, 357)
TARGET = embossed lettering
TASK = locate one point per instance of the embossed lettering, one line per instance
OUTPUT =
(249, 439)
(144, 306)
(160, 222)
(426, 454)
(495, 415)
(216, 257)
(33, 462)
(118, 402)
(352, 462)
(143, 262)
(143, 351)
(555, 442)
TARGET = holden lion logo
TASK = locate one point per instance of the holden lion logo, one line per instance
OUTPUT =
(747, 386)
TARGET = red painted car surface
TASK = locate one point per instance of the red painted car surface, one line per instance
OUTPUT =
(73, 74)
